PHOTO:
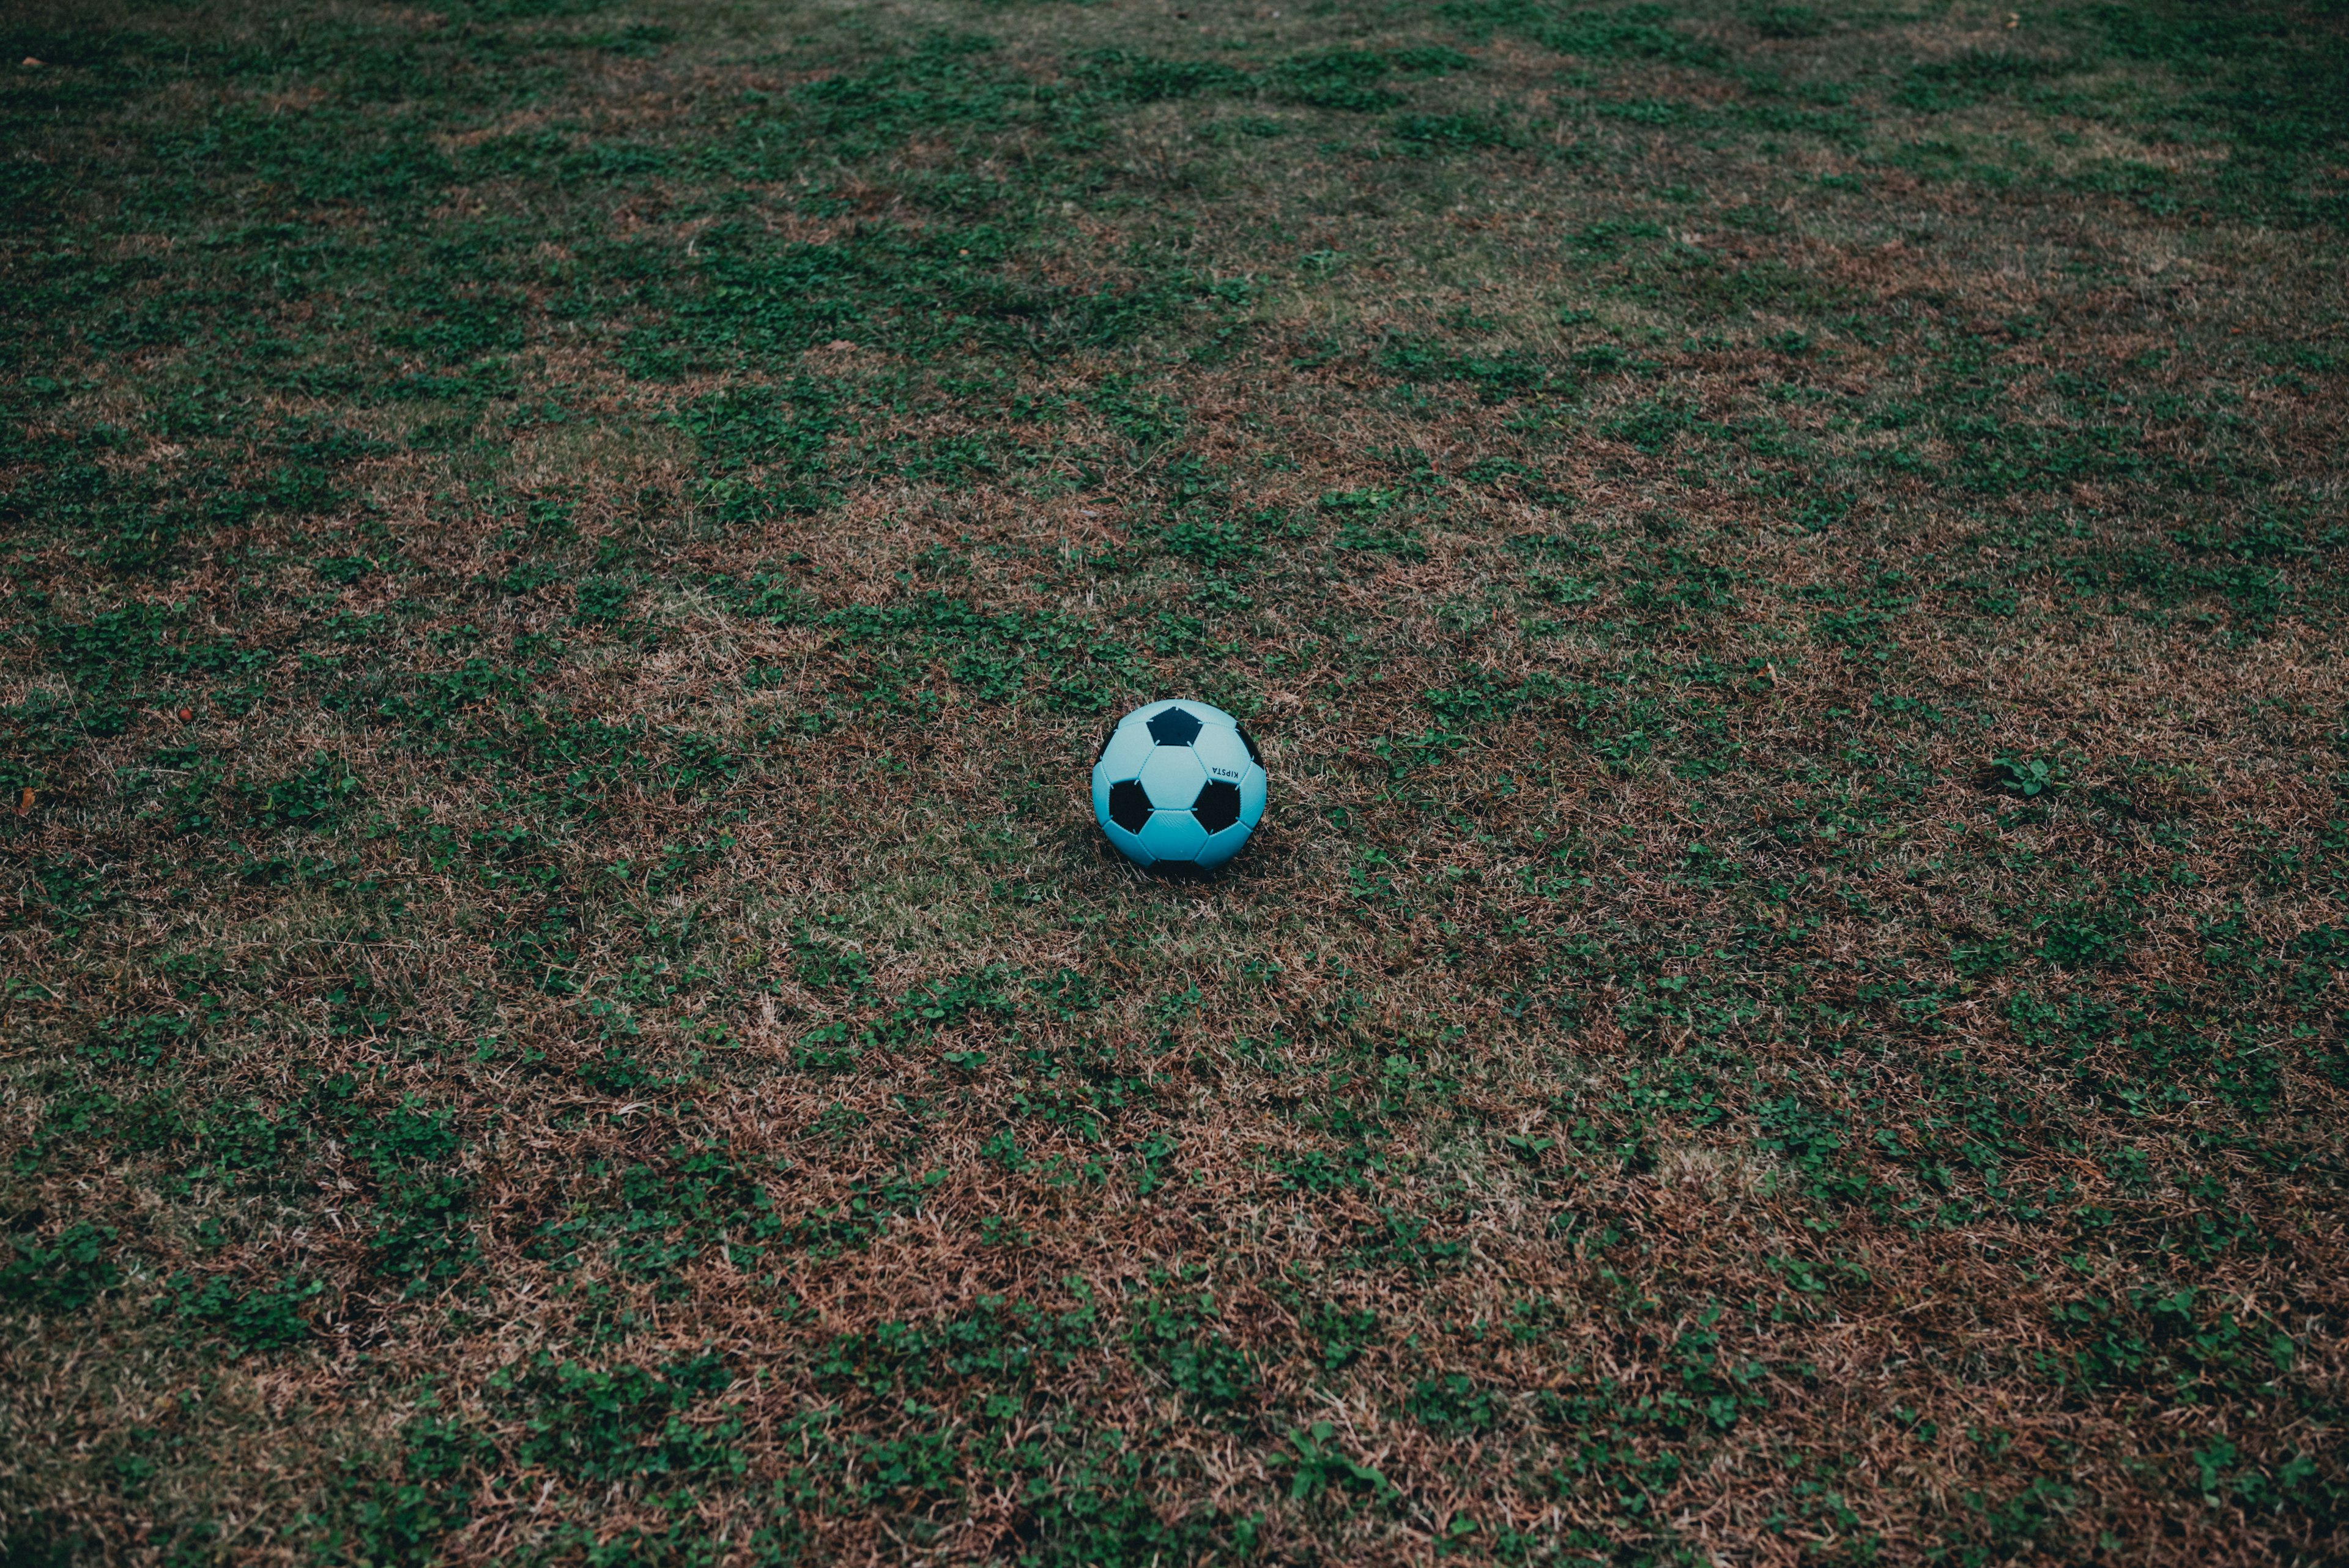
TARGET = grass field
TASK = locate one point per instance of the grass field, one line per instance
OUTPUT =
(562, 568)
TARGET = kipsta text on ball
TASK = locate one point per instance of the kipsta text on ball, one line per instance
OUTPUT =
(1178, 784)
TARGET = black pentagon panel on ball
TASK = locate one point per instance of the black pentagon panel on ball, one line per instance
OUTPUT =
(1129, 805)
(1249, 741)
(1218, 805)
(1173, 727)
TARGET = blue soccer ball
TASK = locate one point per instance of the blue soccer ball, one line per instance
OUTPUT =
(1178, 784)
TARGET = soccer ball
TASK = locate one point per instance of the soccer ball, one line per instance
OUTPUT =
(1178, 784)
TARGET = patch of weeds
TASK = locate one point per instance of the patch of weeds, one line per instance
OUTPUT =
(996, 658)
(602, 601)
(1402, 1242)
(1316, 1466)
(2028, 778)
(1496, 376)
(919, 1015)
(1088, 1502)
(1316, 1172)
(1176, 1335)
(1986, 1529)
(1081, 1088)
(255, 1318)
(1631, 33)
(403, 1520)
(1785, 21)
(2085, 935)
(1355, 79)
(1610, 234)
(622, 1425)
(1220, 543)
(145, 1042)
(1067, 994)
(823, 967)
(1362, 517)
(660, 1217)
(1861, 624)
(1818, 513)
(1451, 1405)
(314, 796)
(1937, 86)
(808, 294)
(64, 1274)
(544, 950)
(1451, 132)
(125, 649)
(1815, 1143)
(1140, 78)
(2162, 1342)
(997, 1345)
(423, 1236)
(870, 1207)
(1652, 426)
(1341, 1335)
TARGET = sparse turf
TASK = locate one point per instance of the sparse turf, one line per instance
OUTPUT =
(564, 566)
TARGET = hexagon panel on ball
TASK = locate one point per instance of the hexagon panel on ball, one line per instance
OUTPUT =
(1174, 836)
(1173, 778)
